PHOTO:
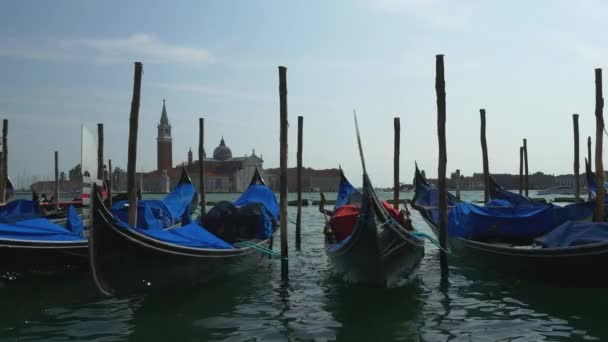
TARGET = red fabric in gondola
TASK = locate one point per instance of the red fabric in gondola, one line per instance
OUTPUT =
(344, 220)
(394, 212)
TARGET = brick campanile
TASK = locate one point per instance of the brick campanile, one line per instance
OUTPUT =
(164, 143)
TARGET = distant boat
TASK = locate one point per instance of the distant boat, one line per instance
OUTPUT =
(558, 190)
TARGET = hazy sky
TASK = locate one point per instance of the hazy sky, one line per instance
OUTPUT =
(528, 63)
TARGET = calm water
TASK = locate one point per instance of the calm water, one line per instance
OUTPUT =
(476, 305)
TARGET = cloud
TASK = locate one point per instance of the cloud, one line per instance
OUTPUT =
(143, 47)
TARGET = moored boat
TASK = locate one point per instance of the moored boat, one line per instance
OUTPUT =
(379, 251)
(540, 242)
(130, 259)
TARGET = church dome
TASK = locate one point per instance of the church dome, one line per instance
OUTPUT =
(222, 152)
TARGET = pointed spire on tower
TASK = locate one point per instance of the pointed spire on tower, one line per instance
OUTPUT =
(222, 143)
(164, 119)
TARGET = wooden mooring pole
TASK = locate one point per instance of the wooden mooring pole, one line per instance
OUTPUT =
(521, 170)
(56, 187)
(599, 141)
(589, 161)
(132, 153)
(283, 172)
(4, 171)
(458, 184)
(299, 184)
(100, 151)
(526, 175)
(577, 182)
(201, 164)
(443, 191)
(484, 152)
(397, 126)
(110, 182)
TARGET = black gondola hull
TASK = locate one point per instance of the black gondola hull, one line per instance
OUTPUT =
(568, 266)
(375, 253)
(42, 257)
(124, 261)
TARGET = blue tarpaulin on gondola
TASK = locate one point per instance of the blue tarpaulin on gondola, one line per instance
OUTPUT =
(345, 191)
(39, 229)
(192, 235)
(19, 210)
(509, 217)
(475, 222)
(573, 233)
(261, 194)
(159, 214)
(154, 216)
(74, 224)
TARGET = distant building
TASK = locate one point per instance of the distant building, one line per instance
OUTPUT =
(223, 172)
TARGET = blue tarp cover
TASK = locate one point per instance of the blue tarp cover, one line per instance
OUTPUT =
(39, 229)
(191, 235)
(156, 214)
(508, 217)
(573, 233)
(475, 222)
(159, 214)
(260, 193)
(22, 220)
(18, 210)
(75, 224)
(344, 191)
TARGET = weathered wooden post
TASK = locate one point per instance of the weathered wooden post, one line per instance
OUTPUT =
(283, 172)
(201, 164)
(443, 191)
(100, 151)
(577, 185)
(458, 185)
(397, 126)
(521, 170)
(110, 182)
(599, 141)
(56, 186)
(589, 152)
(526, 175)
(4, 171)
(484, 152)
(589, 161)
(299, 183)
(132, 153)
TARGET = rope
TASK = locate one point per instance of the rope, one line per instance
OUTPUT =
(258, 248)
(420, 235)
(432, 240)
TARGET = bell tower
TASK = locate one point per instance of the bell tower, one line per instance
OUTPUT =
(164, 142)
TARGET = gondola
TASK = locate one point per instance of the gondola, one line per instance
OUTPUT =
(31, 243)
(125, 259)
(567, 253)
(379, 251)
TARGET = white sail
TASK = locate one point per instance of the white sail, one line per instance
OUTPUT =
(88, 153)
